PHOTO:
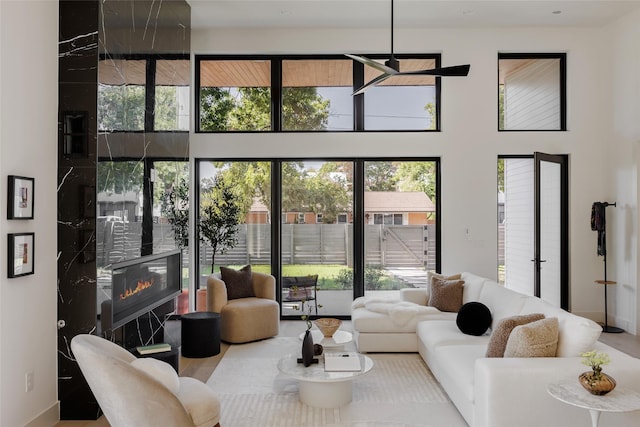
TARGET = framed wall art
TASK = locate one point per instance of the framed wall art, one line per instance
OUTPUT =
(20, 254)
(20, 197)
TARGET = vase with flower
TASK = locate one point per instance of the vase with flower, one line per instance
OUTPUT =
(307, 341)
(596, 381)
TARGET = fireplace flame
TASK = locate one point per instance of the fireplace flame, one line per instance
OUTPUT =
(141, 286)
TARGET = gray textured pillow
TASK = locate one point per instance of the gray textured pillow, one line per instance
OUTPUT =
(502, 330)
(535, 339)
(446, 295)
(238, 282)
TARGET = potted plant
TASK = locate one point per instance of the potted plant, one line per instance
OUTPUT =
(596, 381)
(220, 215)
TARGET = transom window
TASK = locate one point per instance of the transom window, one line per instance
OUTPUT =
(532, 92)
(143, 93)
(313, 93)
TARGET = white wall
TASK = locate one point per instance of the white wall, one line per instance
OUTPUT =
(469, 142)
(28, 141)
(623, 149)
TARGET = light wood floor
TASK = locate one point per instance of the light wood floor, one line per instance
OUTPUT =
(203, 368)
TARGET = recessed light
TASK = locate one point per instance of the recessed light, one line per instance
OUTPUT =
(468, 12)
(557, 12)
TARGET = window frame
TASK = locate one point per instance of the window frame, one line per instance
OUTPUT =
(149, 86)
(562, 56)
(276, 90)
(359, 220)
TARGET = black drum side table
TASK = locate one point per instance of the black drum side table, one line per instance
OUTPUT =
(200, 334)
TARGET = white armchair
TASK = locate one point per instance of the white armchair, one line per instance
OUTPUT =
(142, 392)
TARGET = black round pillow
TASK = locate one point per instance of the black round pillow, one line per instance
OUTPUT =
(474, 318)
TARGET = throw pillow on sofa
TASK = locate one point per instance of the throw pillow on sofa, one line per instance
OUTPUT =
(502, 330)
(474, 318)
(431, 275)
(535, 339)
(238, 282)
(446, 295)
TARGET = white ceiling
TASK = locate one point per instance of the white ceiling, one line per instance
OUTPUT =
(408, 13)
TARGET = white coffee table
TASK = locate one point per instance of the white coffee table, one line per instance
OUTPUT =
(339, 338)
(620, 399)
(319, 388)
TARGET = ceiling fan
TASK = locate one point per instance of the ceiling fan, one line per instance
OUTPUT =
(391, 67)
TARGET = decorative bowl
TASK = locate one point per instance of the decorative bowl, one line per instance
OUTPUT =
(598, 387)
(328, 326)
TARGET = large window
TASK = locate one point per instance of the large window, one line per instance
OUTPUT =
(402, 103)
(400, 223)
(312, 93)
(350, 226)
(171, 106)
(143, 93)
(316, 94)
(234, 95)
(121, 94)
(532, 92)
(234, 216)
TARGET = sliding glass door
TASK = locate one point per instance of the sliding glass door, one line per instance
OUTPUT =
(329, 230)
(317, 236)
(234, 216)
(400, 224)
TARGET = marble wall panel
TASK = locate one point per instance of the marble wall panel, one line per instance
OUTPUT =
(87, 30)
(78, 71)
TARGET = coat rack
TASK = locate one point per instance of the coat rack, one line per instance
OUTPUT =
(599, 224)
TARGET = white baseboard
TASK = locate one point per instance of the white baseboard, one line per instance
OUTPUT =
(47, 418)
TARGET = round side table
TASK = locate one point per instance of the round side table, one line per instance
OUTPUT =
(200, 333)
(618, 400)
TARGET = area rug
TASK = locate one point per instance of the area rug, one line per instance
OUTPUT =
(400, 391)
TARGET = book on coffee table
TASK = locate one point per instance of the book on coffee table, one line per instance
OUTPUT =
(153, 348)
(342, 362)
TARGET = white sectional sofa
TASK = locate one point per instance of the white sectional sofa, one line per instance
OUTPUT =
(497, 391)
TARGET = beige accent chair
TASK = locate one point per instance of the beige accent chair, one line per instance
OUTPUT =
(142, 392)
(245, 319)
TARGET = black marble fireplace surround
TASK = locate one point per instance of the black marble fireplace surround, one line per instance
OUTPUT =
(90, 32)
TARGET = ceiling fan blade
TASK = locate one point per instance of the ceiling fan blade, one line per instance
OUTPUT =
(453, 71)
(373, 82)
(374, 64)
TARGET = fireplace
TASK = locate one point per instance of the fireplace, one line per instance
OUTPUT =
(140, 285)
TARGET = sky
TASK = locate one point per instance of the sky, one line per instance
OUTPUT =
(386, 107)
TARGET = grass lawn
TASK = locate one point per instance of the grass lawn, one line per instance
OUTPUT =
(327, 274)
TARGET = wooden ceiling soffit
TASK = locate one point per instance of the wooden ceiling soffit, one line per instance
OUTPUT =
(118, 72)
(303, 73)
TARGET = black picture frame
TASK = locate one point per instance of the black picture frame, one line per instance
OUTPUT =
(20, 254)
(20, 197)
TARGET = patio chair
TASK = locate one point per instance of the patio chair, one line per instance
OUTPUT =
(300, 288)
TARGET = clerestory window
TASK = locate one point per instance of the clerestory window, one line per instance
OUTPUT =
(532, 92)
(313, 93)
